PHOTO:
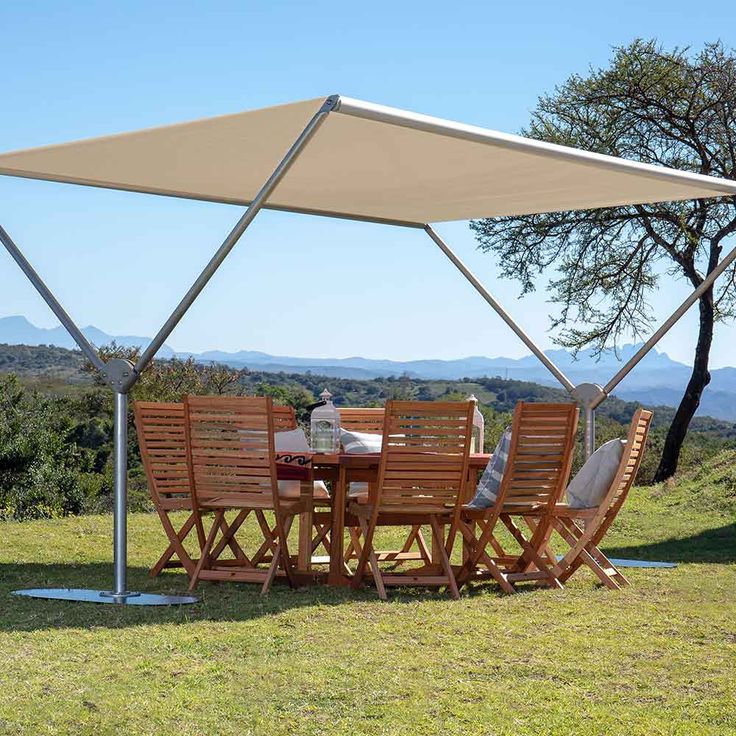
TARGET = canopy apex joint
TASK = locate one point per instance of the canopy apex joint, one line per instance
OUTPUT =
(119, 374)
(330, 104)
(590, 395)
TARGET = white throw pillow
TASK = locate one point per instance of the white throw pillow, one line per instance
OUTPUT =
(589, 487)
(291, 440)
(360, 442)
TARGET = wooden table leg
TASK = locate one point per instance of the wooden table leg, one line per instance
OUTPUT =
(436, 553)
(470, 484)
(304, 563)
(337, 533)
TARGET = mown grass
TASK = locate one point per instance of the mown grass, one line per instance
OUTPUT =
(656, 658)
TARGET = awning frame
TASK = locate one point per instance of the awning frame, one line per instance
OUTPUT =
(121, 375)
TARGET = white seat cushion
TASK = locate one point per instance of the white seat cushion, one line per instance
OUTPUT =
(291, 440)
(360, 442)
(590, 486)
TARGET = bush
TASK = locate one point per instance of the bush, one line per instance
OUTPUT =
(39, 463)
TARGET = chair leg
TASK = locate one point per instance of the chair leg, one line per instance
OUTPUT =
(369, 556)
(588, 554)
(228, 538)
(283, 547)
(423, 547)
(277, 557)
(531, 555)
(354, 546)
(305, 540)
(272, 569)
(475, 556)
(269, 536)
(232, 542)
(204, 556)
(479, 544)
(322, 537)
(439, 546)
(545, 547)
(176, 546)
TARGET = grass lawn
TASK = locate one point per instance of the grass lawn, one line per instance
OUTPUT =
(656, 658)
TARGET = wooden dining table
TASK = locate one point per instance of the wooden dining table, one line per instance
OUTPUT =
(341, 469)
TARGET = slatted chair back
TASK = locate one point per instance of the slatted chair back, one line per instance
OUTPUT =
(162, 441)
(360, 419)
(231, 449)
(284, 418)
(424, 456)
(540, 455)
(630, 462)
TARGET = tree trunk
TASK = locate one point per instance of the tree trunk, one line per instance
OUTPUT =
(699, 379)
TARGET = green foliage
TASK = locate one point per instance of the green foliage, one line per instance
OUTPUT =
(601, 266)
(55, 444)
(42, 470)
(665, 107)
(40, 360)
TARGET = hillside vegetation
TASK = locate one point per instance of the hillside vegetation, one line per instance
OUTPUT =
(56, 420)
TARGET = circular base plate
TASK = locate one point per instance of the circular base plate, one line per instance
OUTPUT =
(103, 596)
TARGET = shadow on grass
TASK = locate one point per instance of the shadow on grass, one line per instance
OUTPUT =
(712, 545)
(220, 602)
(217, 601)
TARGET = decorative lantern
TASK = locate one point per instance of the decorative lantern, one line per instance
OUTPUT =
(325, 426)
(479, 425)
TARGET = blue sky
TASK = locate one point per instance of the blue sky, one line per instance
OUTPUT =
(294, 285)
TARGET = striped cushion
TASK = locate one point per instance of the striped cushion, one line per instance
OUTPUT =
(490, 481)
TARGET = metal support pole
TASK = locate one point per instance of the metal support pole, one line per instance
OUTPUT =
(120, 526)
(120, 592)
(548, 364)
(708, 281)
(589, 395)
(255, 207)
(589, 441)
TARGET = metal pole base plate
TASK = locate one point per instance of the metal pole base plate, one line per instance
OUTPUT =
(102, 596)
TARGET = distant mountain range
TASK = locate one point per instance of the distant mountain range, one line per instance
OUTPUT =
(18, 330)
(656, 380)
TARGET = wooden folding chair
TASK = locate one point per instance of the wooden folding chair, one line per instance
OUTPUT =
(162, 441)
(534, 479)
(423, 471)
(370, 420)
(232, 467)
(362, 419)
(583, 529)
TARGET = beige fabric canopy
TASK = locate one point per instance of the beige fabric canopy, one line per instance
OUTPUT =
(366, 161)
